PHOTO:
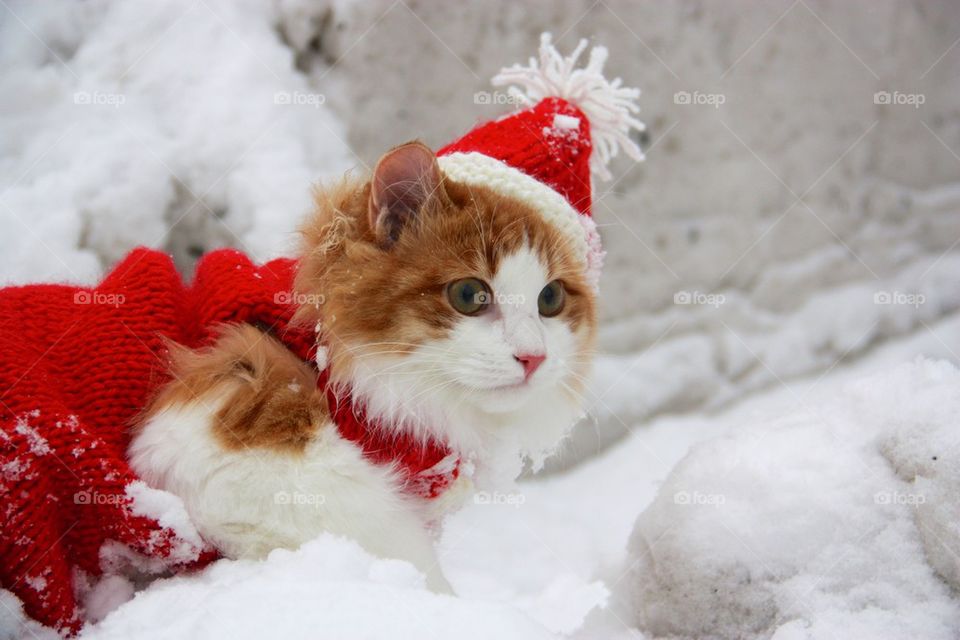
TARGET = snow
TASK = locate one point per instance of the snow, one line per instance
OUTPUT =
(566, 123)
(749, 349)
(36, 582)
(330, 588)
(169, 511)
(38, 444)
(106, 595)
(14, 625)
(131, 128)
(801, 523)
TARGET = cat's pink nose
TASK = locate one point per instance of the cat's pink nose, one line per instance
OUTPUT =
(530, 362)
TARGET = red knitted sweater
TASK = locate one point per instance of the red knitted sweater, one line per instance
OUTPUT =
(77, 364)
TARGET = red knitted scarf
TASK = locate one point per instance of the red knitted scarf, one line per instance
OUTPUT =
(428, 468)
(78, 364)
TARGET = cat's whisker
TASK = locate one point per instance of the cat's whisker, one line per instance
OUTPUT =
(435, 387)
(579, 397)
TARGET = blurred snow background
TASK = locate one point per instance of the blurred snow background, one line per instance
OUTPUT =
(797, 222)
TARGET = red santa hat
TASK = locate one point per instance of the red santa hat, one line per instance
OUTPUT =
(573, 122)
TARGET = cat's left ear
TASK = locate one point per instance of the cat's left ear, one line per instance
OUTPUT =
(405, 180)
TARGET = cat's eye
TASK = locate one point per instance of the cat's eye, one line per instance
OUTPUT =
(551, 300)
(469, 296)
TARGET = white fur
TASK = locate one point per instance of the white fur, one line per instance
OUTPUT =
(466, 390)
(247, 503)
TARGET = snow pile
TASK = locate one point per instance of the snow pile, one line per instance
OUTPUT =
(330, 588)
(179, 125)
(750, 348)
(818, 524)
(170, 512)
(924, 449)
(15, 625)
(118, 560)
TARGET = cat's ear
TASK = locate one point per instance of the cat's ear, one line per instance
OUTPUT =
(405, 180)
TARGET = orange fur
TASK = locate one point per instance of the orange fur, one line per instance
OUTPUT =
(270, 396)
(375, 294)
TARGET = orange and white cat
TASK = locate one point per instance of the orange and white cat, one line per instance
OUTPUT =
(451, 311)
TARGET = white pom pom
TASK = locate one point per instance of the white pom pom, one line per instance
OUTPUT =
(606, 104)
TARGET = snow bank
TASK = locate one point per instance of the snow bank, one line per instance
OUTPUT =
(15, 625)
(170, 512)
(178, 125)
(823, 523)
(750, 348)
(330, 588)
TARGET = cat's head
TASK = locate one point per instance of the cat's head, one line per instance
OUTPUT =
(447, 307)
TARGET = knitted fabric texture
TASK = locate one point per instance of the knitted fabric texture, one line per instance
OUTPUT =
(474, 168)
(549, 142)
(78, 364)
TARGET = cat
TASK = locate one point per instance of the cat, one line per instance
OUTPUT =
(449, 312)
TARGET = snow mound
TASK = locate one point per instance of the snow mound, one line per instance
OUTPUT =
(178, 125)
(823, 523)
(14, 623)
(923, 446)
(329, 588)
(169, 512)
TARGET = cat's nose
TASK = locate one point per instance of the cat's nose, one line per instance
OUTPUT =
(530, 362)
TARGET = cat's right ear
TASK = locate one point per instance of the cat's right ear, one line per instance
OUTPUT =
(404, 181)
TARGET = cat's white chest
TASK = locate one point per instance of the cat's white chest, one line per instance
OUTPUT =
(251, 501)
